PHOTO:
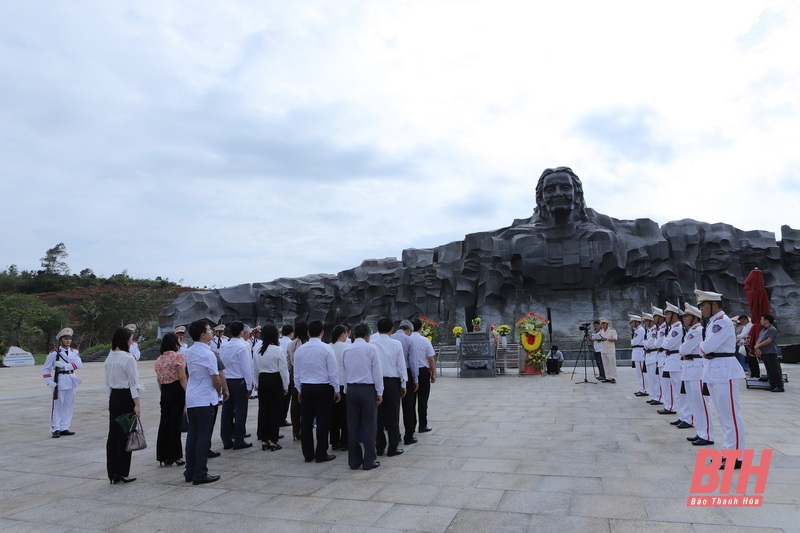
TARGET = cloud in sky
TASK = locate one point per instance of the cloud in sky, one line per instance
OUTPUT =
(223, 144)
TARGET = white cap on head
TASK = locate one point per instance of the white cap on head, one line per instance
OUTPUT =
(647, 316)
(221, 327)
(66, 332)
(658, 312)
(632, 318)
(734, 318)
(180, 329)
(689, 309)
(604, 320)
(673, 308)
(131, 327)
(707, 296)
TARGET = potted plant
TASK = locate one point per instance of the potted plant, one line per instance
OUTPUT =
(458, 331)
(504, 331)
(476, 324)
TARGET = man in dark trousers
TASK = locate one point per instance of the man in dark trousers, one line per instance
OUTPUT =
(409, 401)
(316, 376)
(423, 354)
(362, 372)
(393, 365)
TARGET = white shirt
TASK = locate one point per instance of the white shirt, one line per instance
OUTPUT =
(235, 355)
(71, 359)
(637, 344)
(134, 351)
(744, 333)
(121, 372)
(720, 338)
(201, 364)
(338, 348)
(362, 365)
(273, 360)
(405, 340)
(421, 349)
(217, 343)
(672, 343)
(315, 364)
(393, 362)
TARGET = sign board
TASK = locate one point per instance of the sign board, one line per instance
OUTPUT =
(18, 357)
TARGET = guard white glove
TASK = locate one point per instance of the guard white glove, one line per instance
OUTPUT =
(60, 364)
(52, 385)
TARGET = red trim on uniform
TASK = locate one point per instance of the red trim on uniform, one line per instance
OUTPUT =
(74, 366)
(47, 376)
(733, 413)
(705, 410)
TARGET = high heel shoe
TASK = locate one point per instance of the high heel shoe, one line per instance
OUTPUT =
(275, 447)
(295, 437)
(265, 447)
(180, 462)
(165, 463)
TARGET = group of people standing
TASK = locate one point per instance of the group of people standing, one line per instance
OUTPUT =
(685, 357)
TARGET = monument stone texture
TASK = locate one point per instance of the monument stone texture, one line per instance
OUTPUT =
(566, 257)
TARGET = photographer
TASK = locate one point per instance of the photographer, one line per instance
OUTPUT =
(608, 350)
(597, 344)
(555, 359)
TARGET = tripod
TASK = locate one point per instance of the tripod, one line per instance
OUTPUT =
(584, 350)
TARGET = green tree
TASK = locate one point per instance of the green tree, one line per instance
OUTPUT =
(28, 323)
(53, 262)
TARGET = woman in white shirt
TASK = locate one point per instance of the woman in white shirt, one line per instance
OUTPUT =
(122, 385)
(271, 373)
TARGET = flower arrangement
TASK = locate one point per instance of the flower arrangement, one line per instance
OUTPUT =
(503, 330)
(458, 331)
(430, 329)
(476, 324)
(531, 337)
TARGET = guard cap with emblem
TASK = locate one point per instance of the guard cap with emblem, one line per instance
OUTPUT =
(658, 312)
(180, 329)
(66, 332)
(707, 296)
(634, 318)
(647, 316)
(673, 308)
(734, 318)
(221, 327)
(689, 309)
(131, 327)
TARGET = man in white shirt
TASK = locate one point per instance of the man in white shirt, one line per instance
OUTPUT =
(316, 377)
(422, 353)
(409, 401)
(393, 366)
(202, 396)
(238, 361)
(362, 372)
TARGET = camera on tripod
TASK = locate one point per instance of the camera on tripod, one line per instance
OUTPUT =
(584, 326)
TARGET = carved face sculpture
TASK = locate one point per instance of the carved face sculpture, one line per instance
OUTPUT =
(269, 307)
(391, 283)
(715, 256)
(320, 298)
(558, 192)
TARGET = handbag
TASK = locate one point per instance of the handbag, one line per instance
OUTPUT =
(184, 422)
(136, 439)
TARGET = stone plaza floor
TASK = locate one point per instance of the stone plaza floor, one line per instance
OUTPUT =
(513, 453)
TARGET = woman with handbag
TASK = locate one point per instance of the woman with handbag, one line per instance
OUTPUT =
(272, 375)
(170, 370)
(122, 385)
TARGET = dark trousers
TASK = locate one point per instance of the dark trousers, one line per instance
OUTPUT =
(198, 440)
(118, 461)
(409, 402)
(296, 410)
(270, 406)
(773, 368)
(234, 413)
(752, 362)
(423, 394)
(361, 413)
(339, 422)
(598, 359)
(317, 402)
(389, 415)
(168, 444)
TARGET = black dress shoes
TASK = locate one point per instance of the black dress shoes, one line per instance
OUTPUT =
(640, 394)
(204, 480)
(392, 453)
(227, 446)
(330, 457)
(56, 434)
(656, 402)
(242, 445)
(412, 440)
(212, 454)
(66, 432)
(776, 389)
(736, 466)
(703, 442)
(425, 429)
(676, 422)
(379, 451)
(376, 464)
(684, 425)
(692, 439)
(665, 412)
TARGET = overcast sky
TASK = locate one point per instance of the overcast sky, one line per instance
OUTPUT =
(221, 143)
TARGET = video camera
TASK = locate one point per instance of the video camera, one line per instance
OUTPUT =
(584, 327)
